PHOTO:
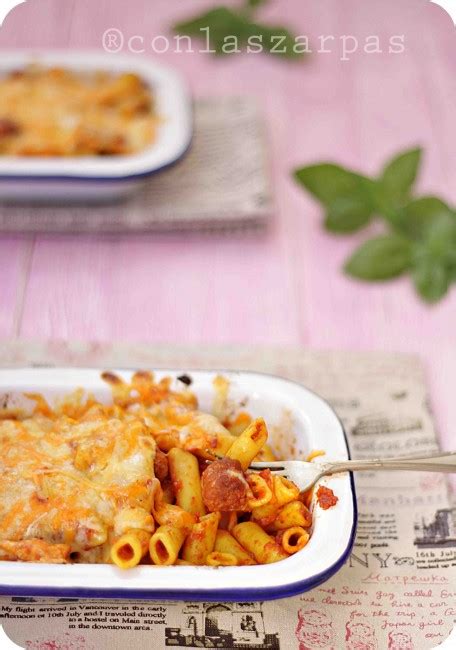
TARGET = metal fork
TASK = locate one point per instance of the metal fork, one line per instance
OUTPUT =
(306, 474)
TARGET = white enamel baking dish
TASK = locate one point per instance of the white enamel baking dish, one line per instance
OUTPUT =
(314, 426)
(100, 178)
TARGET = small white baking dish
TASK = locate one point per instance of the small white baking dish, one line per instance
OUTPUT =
(298, 420)
(100, 178)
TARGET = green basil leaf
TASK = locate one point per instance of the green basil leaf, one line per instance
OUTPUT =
(399, 175)
(346, 195)
(228, 31)
(219, 19)
(416, 218)
(440, 238)
(434, 258)
(329, 182)
(422, 231)
(347, 214)
(253, 4)
(432, 279)
(381, 258)
(216, 25)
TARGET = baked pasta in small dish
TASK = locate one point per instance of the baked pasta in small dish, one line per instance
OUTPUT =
(147, 478)
(55, 111)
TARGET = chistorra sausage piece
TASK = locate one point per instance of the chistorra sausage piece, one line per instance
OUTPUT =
(8, 127)
(224, 486)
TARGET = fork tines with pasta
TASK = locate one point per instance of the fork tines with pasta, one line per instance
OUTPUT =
(146, 479)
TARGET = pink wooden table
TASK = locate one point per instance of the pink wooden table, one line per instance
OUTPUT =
(284, 287)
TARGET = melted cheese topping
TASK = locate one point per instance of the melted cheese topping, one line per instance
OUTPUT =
(64, 482)
(76, 475)
(57, 112)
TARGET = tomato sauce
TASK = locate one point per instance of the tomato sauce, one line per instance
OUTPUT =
(326, 497)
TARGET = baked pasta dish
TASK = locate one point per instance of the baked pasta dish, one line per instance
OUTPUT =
(57, 112)
(147, 479)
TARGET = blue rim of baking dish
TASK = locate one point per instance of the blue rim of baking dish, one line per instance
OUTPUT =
(224, 595)
(101, 179)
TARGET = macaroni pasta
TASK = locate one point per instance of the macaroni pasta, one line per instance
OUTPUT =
(146, 479)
